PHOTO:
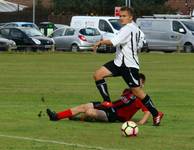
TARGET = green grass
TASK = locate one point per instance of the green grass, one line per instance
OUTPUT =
(65, 80)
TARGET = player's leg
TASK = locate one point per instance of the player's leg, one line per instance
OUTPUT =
(131, 77)
(99, 78)
(101, 114)
(107, 70)
(96, 114)
(69, 112)
(146, 100)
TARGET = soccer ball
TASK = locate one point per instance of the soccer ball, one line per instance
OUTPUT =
(129, 128)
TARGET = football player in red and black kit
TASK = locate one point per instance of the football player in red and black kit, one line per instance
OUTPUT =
(122, 110)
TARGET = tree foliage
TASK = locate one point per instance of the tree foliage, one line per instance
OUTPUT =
(150, 7)
(84, 7)
(106, 7)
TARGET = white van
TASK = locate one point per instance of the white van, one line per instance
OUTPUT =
(168, 32)
(107, 26)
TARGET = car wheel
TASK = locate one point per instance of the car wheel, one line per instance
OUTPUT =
(188, 48)
(74, 48)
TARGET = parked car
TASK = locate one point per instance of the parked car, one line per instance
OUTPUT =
(7, 45)
(168, 32)
(20, 24)
(28, 38)
(75, 39)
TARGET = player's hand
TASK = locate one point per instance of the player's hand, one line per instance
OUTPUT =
(140, 123)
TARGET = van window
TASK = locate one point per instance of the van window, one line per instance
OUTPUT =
(189, 25)
(89, 32)
(104, 26)
(176, 26)
(69, 32)
(115, 23)
(155, 25)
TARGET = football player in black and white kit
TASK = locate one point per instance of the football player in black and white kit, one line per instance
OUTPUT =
(126, 64)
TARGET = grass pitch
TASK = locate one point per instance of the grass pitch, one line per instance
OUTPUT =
(65, 80)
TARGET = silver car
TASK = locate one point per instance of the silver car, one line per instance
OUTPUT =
(7, 45)
(75, 39)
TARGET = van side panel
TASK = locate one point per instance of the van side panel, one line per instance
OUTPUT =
(83, 22)
(159, 34)
(90, 21)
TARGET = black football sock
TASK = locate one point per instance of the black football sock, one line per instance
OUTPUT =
(150, 106)
(103, 89)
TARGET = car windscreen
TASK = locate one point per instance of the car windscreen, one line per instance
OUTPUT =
(189, 25)
(115, 23)
(32, 32)
(89, 31)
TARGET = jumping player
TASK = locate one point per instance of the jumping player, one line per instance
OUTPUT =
(122, 109)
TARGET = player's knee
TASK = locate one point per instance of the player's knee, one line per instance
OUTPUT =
(94, 76)
(138, 92)
(82, 108)
(90, 113)
(97, 75)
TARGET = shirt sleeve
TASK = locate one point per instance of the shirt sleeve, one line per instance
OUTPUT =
(140, 105)
(141, 39)
(122, 36)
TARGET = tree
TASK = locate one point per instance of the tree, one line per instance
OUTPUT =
(150, 7)
(98, 7)
(106, 7)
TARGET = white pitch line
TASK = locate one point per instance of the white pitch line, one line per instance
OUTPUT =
(53, 142)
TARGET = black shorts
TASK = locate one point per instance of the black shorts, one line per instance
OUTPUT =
(110, 112)
(130, 75)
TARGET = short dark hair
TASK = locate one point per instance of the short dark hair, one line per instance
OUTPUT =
(128, 9)
(142, 76)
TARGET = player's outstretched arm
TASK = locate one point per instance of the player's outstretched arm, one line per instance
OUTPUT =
(102, 42)
(145, 118)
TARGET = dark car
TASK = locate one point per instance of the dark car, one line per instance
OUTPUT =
(7, 45)
(27, 38)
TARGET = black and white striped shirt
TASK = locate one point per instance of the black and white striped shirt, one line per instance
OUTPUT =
(128, 40)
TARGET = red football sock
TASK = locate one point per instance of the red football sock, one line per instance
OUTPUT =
(64, 114)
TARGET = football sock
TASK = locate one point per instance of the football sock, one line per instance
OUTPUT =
(150, 106)
(103, 89)
(64, 114)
